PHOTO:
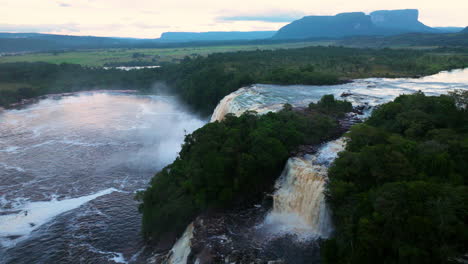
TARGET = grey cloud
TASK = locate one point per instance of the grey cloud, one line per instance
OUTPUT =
(64, 5)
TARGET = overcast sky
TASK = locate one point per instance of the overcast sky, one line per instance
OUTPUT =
(149, 18)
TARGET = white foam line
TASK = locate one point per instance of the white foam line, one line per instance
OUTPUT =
(114, 256)
(10, 149)
(32, 215)
(11, 167)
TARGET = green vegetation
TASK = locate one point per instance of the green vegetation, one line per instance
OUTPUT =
(399, 192)
(328, 105)
(25, 80)
(149, 56)
(202, 82)
(414, 40)
(228, 163)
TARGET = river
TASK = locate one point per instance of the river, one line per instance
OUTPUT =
(299, 205)
(69, 170)
(70, 167)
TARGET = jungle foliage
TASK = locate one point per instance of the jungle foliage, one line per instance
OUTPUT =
(202, 82)
(399, 192)
(26, 80)
(227, 164)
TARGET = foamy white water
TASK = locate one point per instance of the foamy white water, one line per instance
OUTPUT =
(30, 216)
(69, 169)
(299, 205)
(264, 98)
(70, 150)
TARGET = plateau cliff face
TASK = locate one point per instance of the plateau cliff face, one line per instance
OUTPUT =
(383, 22)
(345, 24)
(465, 31)
(400, 21)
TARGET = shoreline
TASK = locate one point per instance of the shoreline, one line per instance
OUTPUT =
(57, 96)
(29, 101)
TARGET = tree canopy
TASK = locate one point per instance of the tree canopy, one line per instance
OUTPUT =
(201, 82)
(227, 164)
(398, 193)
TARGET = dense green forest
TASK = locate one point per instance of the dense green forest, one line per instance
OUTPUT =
(202, 81)
(231, 163)
(399, 192)
(25, 80)
(408, 40)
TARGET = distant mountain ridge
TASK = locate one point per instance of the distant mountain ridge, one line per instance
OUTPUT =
(19, 42)
(356, 25)
(402, 21)
(381, 22)
(344, 24)
(216, 35)
(450, 29)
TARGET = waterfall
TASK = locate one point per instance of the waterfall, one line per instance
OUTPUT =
(299, 204)
(226, 106)
(179, 253)
(254, 98)
(181, 249)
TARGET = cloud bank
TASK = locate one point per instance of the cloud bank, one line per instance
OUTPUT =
(149, 18)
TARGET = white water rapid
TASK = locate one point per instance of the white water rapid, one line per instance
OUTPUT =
(264, 98)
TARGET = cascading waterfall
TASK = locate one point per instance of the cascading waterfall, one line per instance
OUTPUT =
(299, 204)
(181, 249)
(256, 98)
(225, 106)
(179, 253)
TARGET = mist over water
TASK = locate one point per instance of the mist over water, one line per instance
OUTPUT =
(69, 170)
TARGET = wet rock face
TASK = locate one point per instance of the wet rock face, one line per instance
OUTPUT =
(239, 236)
(233, 237)
(226, 236)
